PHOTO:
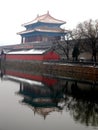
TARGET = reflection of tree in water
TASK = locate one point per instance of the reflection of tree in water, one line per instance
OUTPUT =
(83, 106)
(84, 112)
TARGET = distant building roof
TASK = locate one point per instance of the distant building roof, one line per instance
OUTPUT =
(46, 18)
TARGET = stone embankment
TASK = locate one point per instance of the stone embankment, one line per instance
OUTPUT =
(75, 71)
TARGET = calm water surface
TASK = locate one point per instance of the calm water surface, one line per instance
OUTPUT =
(47, 103)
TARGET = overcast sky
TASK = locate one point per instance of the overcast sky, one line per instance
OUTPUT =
(13, 13)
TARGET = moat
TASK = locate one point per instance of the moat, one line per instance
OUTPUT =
(38, 101)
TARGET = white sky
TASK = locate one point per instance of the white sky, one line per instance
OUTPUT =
(13, 13)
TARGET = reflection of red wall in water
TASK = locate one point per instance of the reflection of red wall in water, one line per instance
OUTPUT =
(46, 56)
(45, 80)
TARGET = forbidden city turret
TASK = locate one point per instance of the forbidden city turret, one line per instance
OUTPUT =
(42, 29)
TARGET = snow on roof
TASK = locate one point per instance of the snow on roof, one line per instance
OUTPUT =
(46, 18)
(31, 51)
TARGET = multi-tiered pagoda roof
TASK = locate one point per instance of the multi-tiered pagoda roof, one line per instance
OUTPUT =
(42, 28)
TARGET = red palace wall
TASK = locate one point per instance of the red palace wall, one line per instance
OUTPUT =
(23, 57)
(51, 56)
(46, 56)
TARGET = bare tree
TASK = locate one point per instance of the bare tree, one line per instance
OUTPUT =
(88, 32)
(64, 45)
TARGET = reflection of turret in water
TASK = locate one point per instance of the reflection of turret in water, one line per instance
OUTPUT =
(41, 99)
(40, 92)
